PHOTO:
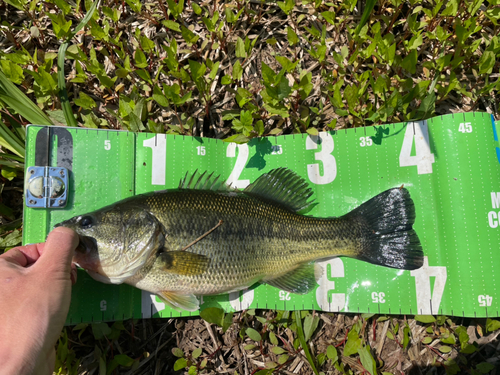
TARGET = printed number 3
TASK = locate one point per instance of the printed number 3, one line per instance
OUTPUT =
(325, 156)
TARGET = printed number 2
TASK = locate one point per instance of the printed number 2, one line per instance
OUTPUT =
(241, 161)
(325, 156)
(423, 158)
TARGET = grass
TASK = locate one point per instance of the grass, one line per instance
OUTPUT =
(236, 70)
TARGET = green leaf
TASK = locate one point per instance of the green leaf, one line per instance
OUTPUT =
(180, 364)
(406, 336)
(227, 321)
(329, 17)
(12, 239)
(292, 36)
(487, 62)
(85, 101)
(259, 128)
(468, 349)
(190, 37)
(213, 315)
(282, 359)
(427, 340)
(277, 350)
(303, 342)
(286, 64)
(310, 322)
(450, 339)
(192, 370)
(172, 25)
(445, 349)
(123, 360)
(425, 318)
(272, 338)
(12, 71)
(492, 325)
(410, 62)
(286, 6)
(369, 5)
(196, 353)
(367, 360)
(178, 352)
(140, 59)
(249, 347)
(485, 367)
(100, 330)
(237, 70)
(240, 48)
(253, 334)
(268, 74)
(353, 343)
(227, 80)
(331, 353)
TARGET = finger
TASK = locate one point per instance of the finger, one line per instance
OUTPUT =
(59, 249)
(74, 274)
(15, 256)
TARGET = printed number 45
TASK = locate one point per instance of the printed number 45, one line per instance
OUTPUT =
(423, 158)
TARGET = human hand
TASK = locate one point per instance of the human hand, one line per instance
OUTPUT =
(35, 293)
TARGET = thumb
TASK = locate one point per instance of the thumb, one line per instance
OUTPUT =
(59, 250)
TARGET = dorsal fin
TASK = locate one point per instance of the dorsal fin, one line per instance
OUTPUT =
(197, 181)
(284, 187)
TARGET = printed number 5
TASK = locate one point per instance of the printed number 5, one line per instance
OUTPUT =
(325, 156)
(107, 144)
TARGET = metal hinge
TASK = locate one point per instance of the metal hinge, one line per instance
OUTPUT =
(46, 187)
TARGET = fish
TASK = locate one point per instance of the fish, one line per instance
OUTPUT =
(207, 238)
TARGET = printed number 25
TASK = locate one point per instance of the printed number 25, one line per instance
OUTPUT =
(325, 156)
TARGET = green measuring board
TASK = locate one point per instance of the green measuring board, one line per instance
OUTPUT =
(450, 165)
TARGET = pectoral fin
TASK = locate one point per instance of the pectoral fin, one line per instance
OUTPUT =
(180, 302)
(299, 281)
(183, 263)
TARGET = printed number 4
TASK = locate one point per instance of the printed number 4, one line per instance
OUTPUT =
(423, 159)
(465, 127)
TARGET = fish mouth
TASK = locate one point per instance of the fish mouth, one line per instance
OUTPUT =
(86, 244)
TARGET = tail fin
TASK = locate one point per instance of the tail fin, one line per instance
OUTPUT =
(389, 238)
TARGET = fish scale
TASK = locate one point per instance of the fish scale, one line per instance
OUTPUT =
(210, 240)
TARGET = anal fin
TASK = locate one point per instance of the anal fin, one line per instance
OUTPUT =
(183, 262)
(180, 302)
(299, 281)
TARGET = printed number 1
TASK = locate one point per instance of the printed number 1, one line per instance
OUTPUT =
(158, 145)
(423, 158)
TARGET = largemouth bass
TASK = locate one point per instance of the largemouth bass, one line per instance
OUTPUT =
(205, 238)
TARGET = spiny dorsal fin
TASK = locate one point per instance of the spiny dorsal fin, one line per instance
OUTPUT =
(282, 186)
(197, 181)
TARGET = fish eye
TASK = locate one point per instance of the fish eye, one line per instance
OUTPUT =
(86, 222)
